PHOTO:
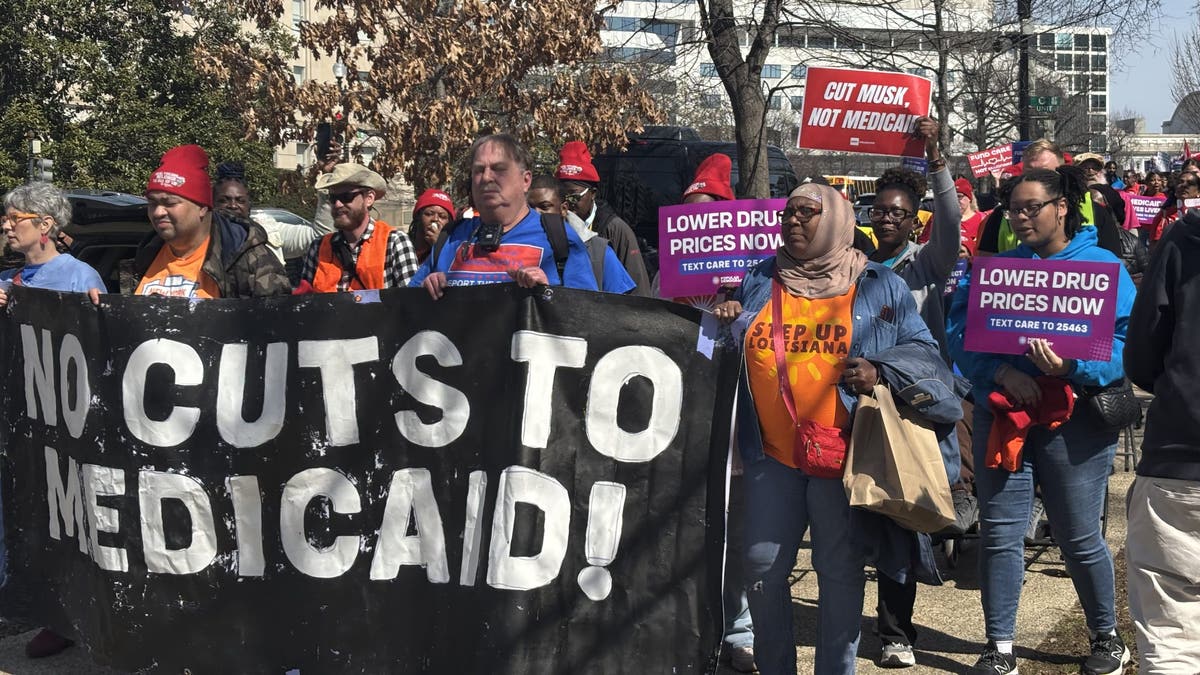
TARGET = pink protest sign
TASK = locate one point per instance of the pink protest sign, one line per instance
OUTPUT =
(991, 160)
(1072, 304)
(702, 247)
(1146, 208)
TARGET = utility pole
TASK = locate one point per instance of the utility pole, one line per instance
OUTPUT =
(1024, 118)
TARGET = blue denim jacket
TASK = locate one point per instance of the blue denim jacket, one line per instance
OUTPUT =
(879, 292)
(906, 351)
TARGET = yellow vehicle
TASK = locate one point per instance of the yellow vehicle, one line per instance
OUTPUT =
(853, 186)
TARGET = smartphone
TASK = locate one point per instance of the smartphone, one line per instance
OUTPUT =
(324, 137)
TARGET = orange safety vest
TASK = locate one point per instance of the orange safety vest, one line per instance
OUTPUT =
(372, 258)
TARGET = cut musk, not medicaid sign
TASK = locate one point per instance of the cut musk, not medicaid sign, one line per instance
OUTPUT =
(703, 247)
(1070, 303)
(863, 111)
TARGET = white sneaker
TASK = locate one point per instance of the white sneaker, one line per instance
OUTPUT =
(897, 656)
(741, 659)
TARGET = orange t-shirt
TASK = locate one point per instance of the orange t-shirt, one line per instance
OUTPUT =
(816, 339)
(179, 277)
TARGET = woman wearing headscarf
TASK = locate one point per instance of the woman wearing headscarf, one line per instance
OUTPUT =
(834, 325)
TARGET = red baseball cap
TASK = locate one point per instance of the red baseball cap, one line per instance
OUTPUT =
(434, 197)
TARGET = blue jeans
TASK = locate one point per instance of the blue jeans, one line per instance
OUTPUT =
(781, 503)
(739, 629)
(1072, 464)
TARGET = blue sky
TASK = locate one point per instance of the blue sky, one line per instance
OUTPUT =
(1143, 81)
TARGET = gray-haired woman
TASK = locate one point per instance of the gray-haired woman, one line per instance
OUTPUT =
(33, 216)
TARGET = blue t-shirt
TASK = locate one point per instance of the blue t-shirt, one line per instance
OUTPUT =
(616, 278)
(64, 272)
(525, 245)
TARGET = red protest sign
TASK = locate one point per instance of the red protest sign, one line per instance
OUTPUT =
(863, 111)
(991, 160)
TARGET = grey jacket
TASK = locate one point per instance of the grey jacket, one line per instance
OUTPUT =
(926, 267)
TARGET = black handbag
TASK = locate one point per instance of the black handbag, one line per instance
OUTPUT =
(1115, 405)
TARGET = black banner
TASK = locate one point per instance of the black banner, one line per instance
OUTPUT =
(499, 482)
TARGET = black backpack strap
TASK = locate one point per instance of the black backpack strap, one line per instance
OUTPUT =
(556, 233)
(597, 249)
(441, 243)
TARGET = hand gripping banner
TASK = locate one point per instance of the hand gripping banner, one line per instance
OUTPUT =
(498, 482)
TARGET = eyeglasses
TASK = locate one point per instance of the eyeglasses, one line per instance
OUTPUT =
(13, 218)
(573, 198)
(345, 197)
(895, 213)
(1029, 210)
(804, 213)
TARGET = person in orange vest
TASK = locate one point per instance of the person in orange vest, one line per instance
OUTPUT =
(362, 253)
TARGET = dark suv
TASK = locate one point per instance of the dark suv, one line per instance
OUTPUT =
(654, 172)
(106, 228)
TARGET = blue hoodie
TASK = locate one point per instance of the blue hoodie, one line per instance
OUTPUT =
(980, 368)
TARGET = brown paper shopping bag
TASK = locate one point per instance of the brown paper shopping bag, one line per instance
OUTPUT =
(894, 466)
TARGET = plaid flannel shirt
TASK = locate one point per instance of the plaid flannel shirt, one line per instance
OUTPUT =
(400, 266)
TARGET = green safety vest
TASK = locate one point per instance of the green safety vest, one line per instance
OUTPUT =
(1007, 241)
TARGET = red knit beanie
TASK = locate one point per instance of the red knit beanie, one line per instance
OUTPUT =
(712, 177)
(575, 164)
(432, 197)
(183, 171)
(963, 187)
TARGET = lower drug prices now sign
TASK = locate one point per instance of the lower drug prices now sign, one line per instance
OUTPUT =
(497, 482)
(1070, 303)
(865, 111)
(703, 247)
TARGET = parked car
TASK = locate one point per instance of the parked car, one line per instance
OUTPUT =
(106, 229)
(654, 172)
(281, 215)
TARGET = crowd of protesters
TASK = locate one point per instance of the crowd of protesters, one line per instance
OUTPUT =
(896, 314)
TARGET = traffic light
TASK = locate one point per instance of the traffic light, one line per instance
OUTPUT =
(41, 169)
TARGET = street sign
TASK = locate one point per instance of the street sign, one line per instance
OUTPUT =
(1044, 104)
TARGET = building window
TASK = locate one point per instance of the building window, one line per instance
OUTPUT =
(799, 72)
(821, 42)
(1082, 83)
(710, 101)
(772, 70)
(1062, 41)
(1082, 41)
(625, 24)
(364, 76)
(1099, 101)
(301, 150)
(298, 74)
(1099, 62)
(776, 102)
(1098, 83)
(1081, 62)
(1099, 43)
(797, 103)
(1046, 41)
(708, 70)
(790, 38)
(1063, 62)
(297, 15)
(1099, 123)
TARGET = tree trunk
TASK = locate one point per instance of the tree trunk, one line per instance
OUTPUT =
(742, 77)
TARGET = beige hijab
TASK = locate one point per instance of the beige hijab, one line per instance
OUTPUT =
(831, 263)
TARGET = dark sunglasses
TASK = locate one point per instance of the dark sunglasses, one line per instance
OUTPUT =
(345, 197)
